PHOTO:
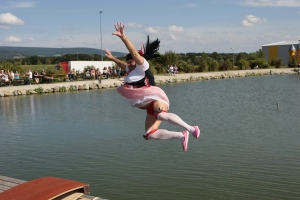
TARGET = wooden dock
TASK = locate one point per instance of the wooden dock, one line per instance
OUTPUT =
(44, 188)
(7, 183)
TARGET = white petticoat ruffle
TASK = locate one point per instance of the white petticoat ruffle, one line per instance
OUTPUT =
(140, 97)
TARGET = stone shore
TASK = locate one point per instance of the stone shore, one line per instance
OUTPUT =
(9, 91)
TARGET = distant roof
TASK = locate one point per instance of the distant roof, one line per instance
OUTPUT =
(282, 43)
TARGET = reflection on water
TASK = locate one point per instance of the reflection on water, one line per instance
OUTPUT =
(248, 149)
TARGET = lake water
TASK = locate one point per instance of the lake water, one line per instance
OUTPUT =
(247, 150)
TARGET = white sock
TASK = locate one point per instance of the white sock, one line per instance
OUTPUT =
(175, 120)
(162, 134)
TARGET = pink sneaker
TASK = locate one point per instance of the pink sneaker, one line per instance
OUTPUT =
(186, 140)
(196, 133)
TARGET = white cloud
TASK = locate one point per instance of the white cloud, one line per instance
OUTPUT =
(9, 19)
(190, 5)
(30, 39)
(254, 19)
(4, 27)
(246, 23)
(251, 20)
(272, 3)
(12, 5)
(173, 37)
(134, 25)
(69, 29)
(175, 28)
(151, 30)
(12, 39)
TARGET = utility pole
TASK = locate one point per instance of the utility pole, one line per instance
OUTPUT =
(232, 57)
(101, 37)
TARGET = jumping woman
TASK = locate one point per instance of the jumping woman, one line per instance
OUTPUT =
(139, 90)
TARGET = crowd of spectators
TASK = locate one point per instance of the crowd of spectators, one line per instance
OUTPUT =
(172, 70)
(8, 78)
(95, 74)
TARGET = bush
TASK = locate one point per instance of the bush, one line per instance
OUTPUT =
(50, 71)
(39, 90)
(277, 62)
(260, 62)
(293, 62)
(11, 66)
(243, 64)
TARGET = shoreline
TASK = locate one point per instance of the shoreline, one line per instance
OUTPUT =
(6, 91)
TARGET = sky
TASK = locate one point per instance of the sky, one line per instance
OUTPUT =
(223, 26)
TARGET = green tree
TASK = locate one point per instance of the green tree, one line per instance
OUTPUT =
(203, 66)
(241, 56)
(48, 61)
(183, 66)
(213, 66)
(260, 53)
(260, 62)
(34, 60)
(215, 56)
(228, 64)
(11, 66)
(169, 58)
(277, 62)
(293, 62)
(252, 56)
(243, 64)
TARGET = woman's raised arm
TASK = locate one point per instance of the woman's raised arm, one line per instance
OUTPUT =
(121, 34)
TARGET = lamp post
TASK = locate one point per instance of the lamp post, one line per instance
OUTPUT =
(232, 57)
(101, 36)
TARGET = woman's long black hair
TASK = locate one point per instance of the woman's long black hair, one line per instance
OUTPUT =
(150, 50)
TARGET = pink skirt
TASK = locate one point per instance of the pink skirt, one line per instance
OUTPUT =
(140, 97)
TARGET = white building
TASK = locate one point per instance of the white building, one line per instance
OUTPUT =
(80, 65)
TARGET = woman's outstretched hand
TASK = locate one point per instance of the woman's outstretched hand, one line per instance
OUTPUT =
(119, 29)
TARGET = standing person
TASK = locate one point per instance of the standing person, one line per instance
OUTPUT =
(93, 75)
(109, 72)
(11, 77)
(119, 72)
(139, 90)
(73, 74)
(98, 75)
(168, 69)
(1, 77)
(171, 70)
(175, 69)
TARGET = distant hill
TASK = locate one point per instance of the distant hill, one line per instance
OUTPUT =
(13, 52)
